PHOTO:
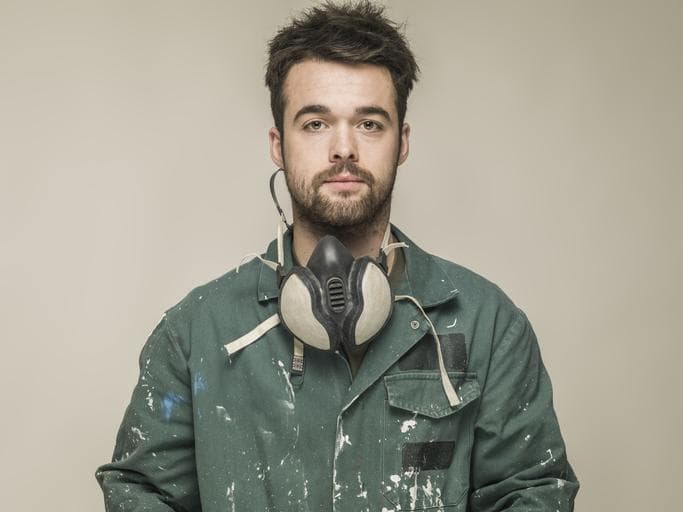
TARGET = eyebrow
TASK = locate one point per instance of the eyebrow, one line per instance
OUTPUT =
(322, 109)
(312, 109)
(374, 110)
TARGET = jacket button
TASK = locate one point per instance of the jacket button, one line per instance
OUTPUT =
(415, 324)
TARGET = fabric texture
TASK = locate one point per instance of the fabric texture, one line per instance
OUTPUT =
(206, 431)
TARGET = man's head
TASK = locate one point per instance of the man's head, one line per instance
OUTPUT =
(349, 33)
(339, 78)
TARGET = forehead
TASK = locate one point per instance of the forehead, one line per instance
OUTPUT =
(339, 86)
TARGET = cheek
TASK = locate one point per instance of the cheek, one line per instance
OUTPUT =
(306, 155)
(381, 155)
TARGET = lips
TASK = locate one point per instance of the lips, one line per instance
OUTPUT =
(344, 183)
(345, 179)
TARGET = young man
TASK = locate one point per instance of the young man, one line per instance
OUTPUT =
(438, 402)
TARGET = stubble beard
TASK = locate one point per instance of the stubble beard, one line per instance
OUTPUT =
(344, 214)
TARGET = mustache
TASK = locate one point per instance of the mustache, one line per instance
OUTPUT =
(352, 168)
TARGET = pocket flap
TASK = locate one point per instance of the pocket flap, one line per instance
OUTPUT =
(422, 392)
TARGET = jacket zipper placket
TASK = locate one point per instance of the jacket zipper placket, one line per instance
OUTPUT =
(337, 434)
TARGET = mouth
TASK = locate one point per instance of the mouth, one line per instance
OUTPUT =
(344, 183)
(345, 178)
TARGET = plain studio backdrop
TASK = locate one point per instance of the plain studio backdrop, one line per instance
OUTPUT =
(547, 150)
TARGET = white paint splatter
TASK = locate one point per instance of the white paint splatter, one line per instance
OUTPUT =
(290, 388)
(408, 425)
(363, 491)
(220, 410)
(288, 405)
(527, 437)
(550, 457)
(428, 489)
(342, 440)
(138, 433)
(438, 502)
(336, 495)
(455, 321)
(230, 494)
(413, 493)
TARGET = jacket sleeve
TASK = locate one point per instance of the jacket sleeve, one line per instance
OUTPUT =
(519, 460)
(153, 466)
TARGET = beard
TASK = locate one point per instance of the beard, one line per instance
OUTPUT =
(345, 211)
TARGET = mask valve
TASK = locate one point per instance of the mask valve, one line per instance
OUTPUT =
(335, 295)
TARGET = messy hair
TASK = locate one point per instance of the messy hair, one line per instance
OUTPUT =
(350, 33)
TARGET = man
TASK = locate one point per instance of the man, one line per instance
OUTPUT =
(446, 407)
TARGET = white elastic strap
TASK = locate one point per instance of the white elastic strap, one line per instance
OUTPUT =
(280, 244)
(386, 247)
(387, 235)
(390, 247)
(270, 264)
(448, 388)
(250, 337)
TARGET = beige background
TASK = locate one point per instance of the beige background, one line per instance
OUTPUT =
(547, 155)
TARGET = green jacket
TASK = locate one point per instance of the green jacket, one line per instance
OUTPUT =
(212, 432)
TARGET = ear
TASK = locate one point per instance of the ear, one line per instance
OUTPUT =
(275, 140)
(404, 148)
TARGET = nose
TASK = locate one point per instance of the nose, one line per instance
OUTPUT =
(343, 146)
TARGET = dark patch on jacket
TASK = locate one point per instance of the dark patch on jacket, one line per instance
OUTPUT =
(423, 355)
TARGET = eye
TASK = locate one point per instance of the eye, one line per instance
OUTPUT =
(371, 126)
(314, 126)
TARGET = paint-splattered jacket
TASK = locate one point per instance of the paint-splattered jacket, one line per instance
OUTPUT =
(205, 431)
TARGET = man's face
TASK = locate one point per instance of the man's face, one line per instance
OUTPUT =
(342, 142)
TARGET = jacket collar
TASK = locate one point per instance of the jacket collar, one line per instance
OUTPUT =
(424, 278)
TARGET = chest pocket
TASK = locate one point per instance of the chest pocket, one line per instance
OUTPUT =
(426, 443)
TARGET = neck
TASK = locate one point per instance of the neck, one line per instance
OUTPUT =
(361, 242)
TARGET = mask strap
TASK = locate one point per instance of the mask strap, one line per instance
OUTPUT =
(247, 339)
(274, 196)
(282, 225)
(386, 237)
(297, 357)
(387, 247)
(448, 388)
(270, 264)
(390, 247)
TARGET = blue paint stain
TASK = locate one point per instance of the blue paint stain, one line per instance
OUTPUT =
(169, 402)
(198, 383)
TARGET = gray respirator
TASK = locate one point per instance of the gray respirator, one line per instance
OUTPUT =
(336, 301)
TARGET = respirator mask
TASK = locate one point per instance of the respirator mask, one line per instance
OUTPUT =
(335, 302)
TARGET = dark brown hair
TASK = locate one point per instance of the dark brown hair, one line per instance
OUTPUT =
(353, 33)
